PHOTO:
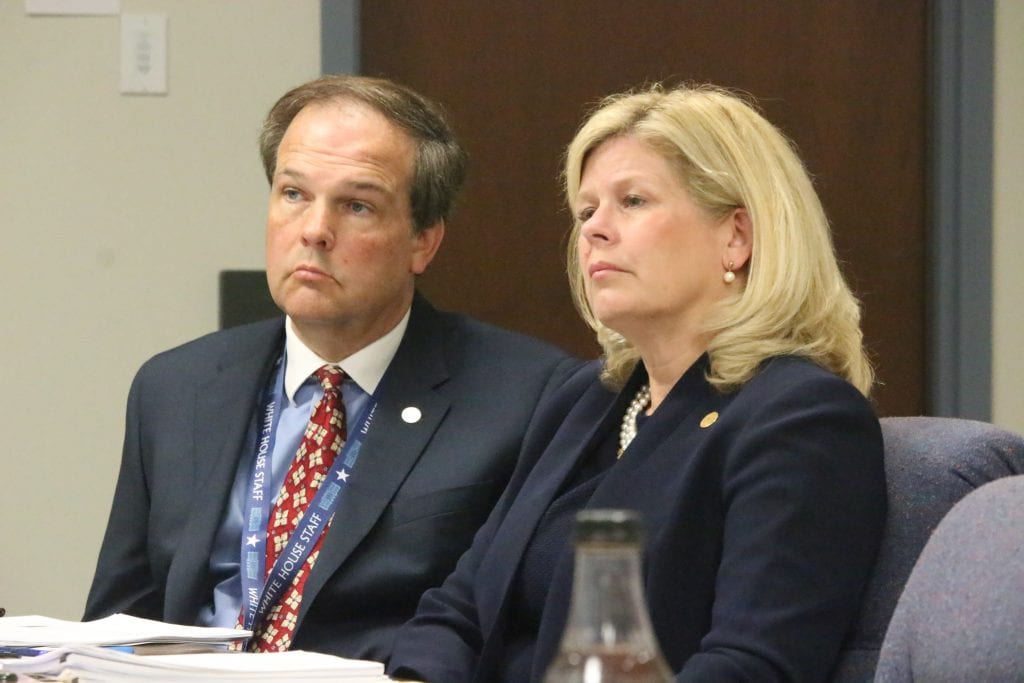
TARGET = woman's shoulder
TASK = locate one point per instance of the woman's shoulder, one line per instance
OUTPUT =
(580, 391)
(795, 383)
(581, 383)
(794, 407)
(586, 375)
(798, 373)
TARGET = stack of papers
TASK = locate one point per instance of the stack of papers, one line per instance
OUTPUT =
(117, 629)
(82, 652)
(89, 664)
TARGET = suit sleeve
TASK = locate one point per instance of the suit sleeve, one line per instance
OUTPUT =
(804, 504)
(123, 581)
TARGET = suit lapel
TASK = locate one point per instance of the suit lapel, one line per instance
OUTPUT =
(222, 422)
(663, 434)
(591, 418)
(691, 398)
(393, 445)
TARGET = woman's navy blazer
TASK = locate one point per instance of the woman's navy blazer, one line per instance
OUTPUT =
(763, 524)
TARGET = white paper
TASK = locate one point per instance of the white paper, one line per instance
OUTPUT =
(290, 665)
(117, 629)
(88, 663)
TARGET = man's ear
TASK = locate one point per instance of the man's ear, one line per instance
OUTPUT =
(425, 244)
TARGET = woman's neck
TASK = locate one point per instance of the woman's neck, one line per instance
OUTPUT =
(665, 363)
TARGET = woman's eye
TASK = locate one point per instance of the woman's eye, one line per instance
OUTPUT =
(633, 200)
(583, 215)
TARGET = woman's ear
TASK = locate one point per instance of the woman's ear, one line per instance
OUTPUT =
(741, 239)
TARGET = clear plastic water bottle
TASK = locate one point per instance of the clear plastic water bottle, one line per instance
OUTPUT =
(608, 637)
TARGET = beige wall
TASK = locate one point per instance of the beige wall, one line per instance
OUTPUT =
(1008, 219)
(117, 212)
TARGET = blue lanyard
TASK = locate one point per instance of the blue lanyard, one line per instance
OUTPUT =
(259, 595)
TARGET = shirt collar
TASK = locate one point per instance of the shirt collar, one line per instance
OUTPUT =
(365, 367)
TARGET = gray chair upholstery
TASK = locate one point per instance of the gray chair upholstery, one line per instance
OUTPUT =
(930, 464)
(961, 615)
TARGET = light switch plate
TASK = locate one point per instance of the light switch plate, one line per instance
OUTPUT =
(144, 54)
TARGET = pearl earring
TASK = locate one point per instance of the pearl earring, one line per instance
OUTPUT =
(729, 277)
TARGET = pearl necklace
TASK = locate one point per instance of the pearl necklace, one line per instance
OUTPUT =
(628, 430)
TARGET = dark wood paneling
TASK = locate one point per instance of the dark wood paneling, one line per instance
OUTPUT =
(844, 79)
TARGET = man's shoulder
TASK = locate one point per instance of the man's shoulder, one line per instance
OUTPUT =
(477, 359)
(213, 348)
(480, 332)
(470, 335)
(468, 341)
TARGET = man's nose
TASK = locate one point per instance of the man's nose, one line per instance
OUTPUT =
(318, 228)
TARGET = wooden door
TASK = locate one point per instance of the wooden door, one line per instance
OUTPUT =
(845, 79)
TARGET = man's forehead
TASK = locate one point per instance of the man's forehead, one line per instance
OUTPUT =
(348, 108)
(348, 130)
(366, 122)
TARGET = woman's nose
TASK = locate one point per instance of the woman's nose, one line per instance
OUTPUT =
(598, 227)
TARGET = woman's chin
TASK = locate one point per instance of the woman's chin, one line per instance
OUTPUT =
(619, 321)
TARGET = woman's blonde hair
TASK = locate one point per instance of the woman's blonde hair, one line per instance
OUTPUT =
(794, 300)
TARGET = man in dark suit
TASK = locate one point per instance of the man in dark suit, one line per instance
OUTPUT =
(363, 175)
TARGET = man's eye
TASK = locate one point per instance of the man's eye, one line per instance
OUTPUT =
(291, 194)
(358, 207)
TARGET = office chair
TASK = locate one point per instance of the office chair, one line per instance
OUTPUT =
(930, 464)
(244, 298)
(961, 614)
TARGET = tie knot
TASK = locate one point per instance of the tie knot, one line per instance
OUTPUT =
(330, 377)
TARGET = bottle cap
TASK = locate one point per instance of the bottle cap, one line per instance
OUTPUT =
(609, 526)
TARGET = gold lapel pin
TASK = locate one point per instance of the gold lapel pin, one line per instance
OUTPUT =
(709, 419)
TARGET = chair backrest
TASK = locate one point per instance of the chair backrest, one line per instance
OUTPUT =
(962, 612)
(930, 464)
(245, 298)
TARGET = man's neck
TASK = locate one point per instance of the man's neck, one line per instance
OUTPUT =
(365, 367)
(335, 343)
(326, 341)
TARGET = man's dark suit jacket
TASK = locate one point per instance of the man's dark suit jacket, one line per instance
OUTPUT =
(762, 528)
(423, 489)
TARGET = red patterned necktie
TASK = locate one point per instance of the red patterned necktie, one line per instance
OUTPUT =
(324, 438)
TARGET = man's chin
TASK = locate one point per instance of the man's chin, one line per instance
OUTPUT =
(311, 310)
(313, 318)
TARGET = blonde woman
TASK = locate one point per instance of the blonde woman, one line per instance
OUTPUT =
(730, 408)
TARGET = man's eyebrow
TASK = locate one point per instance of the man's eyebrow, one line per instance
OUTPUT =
(360, 184)
(292, 173)
(365, 186)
